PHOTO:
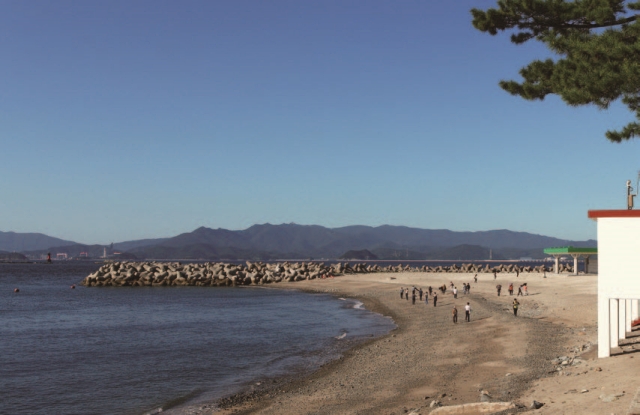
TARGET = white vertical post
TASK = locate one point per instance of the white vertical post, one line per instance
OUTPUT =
(627, 317)
(556, 266)
(604, 324)
(622, 311)
(586, 264)
(575, 264)
(613, 321)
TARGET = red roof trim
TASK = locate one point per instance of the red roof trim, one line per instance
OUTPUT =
(618, 213)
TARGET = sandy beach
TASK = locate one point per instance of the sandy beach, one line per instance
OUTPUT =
(429, 358)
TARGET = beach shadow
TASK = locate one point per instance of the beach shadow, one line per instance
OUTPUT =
(621, 352)
(633, 334)
(473, 320)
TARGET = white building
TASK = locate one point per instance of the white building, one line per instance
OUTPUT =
(618, 279)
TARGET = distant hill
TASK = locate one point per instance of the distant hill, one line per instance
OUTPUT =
(12, 257)
(313, 241)
(465, 253)
(128, 245)
(74, 250)
(292, 241)
(203, 252)
(22, 242)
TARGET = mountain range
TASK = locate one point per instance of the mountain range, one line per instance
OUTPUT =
(266, 241)
(21, 242)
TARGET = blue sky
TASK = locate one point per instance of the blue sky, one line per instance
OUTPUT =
(129, 120)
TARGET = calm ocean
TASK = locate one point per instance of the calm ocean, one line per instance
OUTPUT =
(134, 350)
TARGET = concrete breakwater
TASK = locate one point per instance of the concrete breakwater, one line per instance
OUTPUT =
(138, 274)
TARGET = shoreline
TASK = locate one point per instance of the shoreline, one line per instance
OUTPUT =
(372, 298)
(428, 358)
(259, 388)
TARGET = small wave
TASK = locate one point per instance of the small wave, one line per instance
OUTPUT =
(358, 305)
(343, 299)
(342, 336)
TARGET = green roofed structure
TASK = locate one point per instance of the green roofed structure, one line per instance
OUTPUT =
(575, 253)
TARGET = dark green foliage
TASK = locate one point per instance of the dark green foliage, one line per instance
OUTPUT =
(598, 48)
(362, 254)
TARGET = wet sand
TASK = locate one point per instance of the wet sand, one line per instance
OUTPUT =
(428, 357)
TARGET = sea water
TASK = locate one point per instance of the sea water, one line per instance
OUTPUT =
(134, 350)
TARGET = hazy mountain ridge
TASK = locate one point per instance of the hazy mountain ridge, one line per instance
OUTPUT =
(266, 241)
(22, 242)
(313, 241)
(128, 245)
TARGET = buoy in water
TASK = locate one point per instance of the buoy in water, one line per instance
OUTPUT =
(16, 290)
(73, 287)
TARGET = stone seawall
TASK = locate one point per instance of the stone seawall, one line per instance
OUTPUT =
(138, 274)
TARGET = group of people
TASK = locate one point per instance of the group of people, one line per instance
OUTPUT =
(466, 289)
(415, 292)
(430, 292)
(467, 313)
(523, 289)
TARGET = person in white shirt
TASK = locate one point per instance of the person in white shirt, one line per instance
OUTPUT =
(467, 313)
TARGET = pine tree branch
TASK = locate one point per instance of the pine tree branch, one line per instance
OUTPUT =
(596, 25)
(594, 67)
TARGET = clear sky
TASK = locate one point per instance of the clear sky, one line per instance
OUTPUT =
(126, 120)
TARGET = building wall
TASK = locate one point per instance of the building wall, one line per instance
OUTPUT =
(618, 257)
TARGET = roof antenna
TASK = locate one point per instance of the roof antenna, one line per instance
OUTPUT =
(630, 195)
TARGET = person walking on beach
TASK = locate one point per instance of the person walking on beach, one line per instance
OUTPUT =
(426, 298)
(511, 289)
(455, 314)
(406, 293)
(401, 292)
(499, 288)
(475, 278)
(469, 288)
(421, 293)
(495, 274)
(525, 289)
(413, 298)
(467, 313)
(519, 290)
(515, 306)
(455, 292)
(435, 298)
(517, 273)
(430, 290)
